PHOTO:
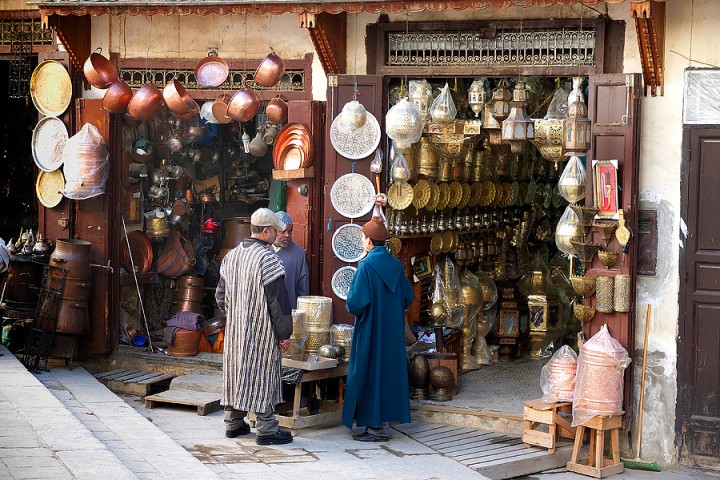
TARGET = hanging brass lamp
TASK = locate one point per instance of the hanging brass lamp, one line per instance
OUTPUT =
(517, 128)
(501, 101)
(577, 127)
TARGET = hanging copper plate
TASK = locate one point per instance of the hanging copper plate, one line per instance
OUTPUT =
(51, 88)
(400, 196)
(49, 186)
(292, 135)
(142, 253)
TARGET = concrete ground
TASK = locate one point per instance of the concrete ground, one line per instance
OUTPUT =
(65, 424)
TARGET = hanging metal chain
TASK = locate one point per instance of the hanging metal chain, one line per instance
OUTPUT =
(20, 68)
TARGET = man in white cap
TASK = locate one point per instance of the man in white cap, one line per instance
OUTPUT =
(293, 258)
(251, 292)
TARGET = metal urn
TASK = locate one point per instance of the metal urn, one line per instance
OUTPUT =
(419, 376)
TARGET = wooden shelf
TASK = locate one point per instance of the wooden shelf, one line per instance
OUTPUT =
(307, 172)
(147, 277)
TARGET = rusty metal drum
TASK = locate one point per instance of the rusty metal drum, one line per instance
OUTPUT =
(74, 255)
(23, 279)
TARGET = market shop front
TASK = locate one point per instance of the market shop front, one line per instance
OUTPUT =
(510, 234)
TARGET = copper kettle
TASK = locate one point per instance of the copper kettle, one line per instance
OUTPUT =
(270, 70)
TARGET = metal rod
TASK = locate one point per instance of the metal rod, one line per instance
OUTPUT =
(137, 284)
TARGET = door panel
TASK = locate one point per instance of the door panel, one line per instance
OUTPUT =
(699, 345)
(96, 222)
(371, 96)
(614, 108)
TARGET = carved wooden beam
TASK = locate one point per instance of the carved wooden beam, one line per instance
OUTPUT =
(650, 26)
(74, 33)
(328, 33)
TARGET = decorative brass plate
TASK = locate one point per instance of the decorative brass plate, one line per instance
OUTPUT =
(434, 197)
(548, 195)
(522, 195)
(436, 244)
(400, 196)
(48, 187)
(421, 194)
(515, 193)
(51, 88)
(557, 199)
(394, 244)
(443, 196)
(455, 195)
(532, 186)
(447, 241)
(474, 198)
(465, 195)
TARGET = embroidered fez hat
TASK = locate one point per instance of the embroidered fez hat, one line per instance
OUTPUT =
(375, 229)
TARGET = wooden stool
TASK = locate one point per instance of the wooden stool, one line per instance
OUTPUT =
(536, 413)
(597, 465)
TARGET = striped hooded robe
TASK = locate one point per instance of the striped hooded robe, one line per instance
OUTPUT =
(258, 317)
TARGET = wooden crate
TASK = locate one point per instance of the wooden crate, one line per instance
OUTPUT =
(597, 464)
(134, 382)
(544, 423)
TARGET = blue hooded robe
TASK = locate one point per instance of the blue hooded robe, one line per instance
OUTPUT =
(377, 382)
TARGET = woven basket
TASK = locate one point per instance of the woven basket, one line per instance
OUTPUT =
(186, 343)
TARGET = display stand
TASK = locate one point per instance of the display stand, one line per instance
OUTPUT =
(597, 464)
(294, 417)
(538, 414)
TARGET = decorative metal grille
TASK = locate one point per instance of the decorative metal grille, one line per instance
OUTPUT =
(292, 80)
(9, 29)
(541, 48)
(20, 68)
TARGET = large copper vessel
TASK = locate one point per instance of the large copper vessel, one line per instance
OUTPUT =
(234, 230)
(73, 255)
(188, 295)
(270, 70)
(23, 279)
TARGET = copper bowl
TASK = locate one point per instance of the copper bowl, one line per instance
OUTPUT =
(211, 71)
(98, 70)
(244, 105)
(220, 108)
(177, 98)
(117, 97)
(146, 102)
(277, 110)
(270, 70)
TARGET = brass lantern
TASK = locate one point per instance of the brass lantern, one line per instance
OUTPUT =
(517, 128)
(501, 99)
(577, 127)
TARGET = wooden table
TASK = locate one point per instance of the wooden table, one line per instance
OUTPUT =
(330, 413)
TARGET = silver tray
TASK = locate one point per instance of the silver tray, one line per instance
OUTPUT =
(48, 142)
(352, 195)
(359, 144)
(341, 281)
(347, 243)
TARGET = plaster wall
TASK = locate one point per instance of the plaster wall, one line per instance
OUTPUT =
(16, 5)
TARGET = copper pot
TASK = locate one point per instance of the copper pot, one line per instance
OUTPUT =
(270, 70)
(117, 97)
(234, 231)
(244, 105)
(277, 110)
(177, 99)
(214, 325)
(220, 108)
(211, 71)
(98, 70)
(146, 102)
(186, 306)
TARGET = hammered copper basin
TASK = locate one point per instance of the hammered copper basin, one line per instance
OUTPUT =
(117, 97)
(277, 110)
(98, 70)
(270, 70)
(244, 105)
(146, 102)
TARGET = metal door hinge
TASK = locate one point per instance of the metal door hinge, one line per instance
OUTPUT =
(332, 81)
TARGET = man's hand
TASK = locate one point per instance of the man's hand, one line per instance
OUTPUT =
(284, 345)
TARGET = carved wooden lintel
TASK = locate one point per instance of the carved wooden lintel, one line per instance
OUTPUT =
(329, 37)
(650, 26)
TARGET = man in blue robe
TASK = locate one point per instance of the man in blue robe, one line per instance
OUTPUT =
(377, 389)
(297, 278)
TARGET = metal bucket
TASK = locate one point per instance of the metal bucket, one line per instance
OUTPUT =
(23, 279)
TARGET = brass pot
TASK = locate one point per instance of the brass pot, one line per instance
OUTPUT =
(244, 105)
(98, 70)
(277, 110)
(146, 102)
(117, 97)
(270, 70)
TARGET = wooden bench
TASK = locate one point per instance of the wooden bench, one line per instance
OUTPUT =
(539, 415)
(597, 464)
